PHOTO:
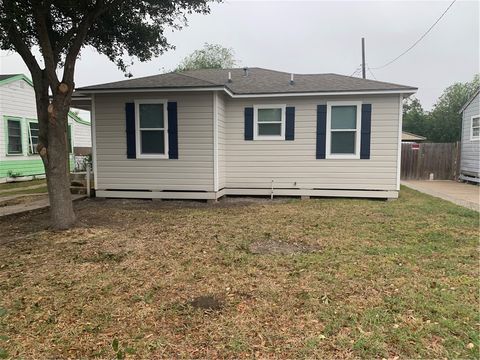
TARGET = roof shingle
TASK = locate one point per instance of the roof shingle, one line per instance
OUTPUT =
(258, 81)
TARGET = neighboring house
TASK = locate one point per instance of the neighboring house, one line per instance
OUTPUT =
(470, 148)
(202, 134)
(411, 137)
(19, 130)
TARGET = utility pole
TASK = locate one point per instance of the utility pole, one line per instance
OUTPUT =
(363, 59)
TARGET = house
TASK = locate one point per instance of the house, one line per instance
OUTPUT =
(19, 131)
(411, 137)
(470, 141)
(202, 134)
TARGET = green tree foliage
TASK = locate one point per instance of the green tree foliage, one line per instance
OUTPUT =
(443, 123)
(414, 117)
(211, 56)
(60, 29)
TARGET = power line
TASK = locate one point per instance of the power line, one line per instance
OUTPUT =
(420, 39)
(356, 70)
(371, 73)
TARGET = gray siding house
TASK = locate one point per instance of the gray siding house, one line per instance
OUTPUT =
(204, 134)
(470, 148)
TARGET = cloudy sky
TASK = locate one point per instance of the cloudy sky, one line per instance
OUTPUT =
(321, 37)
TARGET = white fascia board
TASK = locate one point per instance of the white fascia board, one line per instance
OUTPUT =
(330, 93)
(110, 91)
(239, 96)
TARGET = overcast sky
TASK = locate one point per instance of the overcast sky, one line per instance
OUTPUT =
(320, 37)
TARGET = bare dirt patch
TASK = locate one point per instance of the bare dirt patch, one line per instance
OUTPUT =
(207, 303)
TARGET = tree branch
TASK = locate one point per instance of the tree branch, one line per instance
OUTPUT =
(40, 14)
(18, 41)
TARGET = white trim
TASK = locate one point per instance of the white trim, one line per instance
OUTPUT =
(399, 140)
(473, 138)
(197, 195)
(356, 155)
(319, 93)
(130, 194)
(94, 143)
(256, 136)
(385, 194)
(266, 95)
(147, 90)
(30, 151)
(215, 141)
(138, 149)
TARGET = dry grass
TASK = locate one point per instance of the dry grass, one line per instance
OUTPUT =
(386, 279)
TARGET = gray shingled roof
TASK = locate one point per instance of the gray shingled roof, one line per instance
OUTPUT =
(258, 81)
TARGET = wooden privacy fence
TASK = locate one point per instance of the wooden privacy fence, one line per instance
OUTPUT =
(420, 160)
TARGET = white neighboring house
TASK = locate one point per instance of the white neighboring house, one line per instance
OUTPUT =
(470, 148)
(203, 134)
(19, 130)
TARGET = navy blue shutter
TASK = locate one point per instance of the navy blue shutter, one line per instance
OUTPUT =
(249, 123)
(130, 130)
(321, 131)
(365, 131)
(290, 123)
(172, 130)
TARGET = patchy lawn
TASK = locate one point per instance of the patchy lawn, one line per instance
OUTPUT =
(21, 184)
(344, 278)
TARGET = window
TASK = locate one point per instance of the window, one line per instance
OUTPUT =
(14, 130)
(269, 122)
(343, 130)
(151, 124)
(475, 134)
(32, 137)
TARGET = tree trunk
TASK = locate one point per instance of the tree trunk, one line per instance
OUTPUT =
(52, 147)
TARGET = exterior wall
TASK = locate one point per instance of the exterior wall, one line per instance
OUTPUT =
(293, 164)
(222, 144)
(81, 134)
(470, 155)
(192, 171)
(17, 100)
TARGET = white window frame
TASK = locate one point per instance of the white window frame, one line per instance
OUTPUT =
(256, 136)
(7, 132)
(138, 146)
(357, 130)
(31, 151)
(473, 138)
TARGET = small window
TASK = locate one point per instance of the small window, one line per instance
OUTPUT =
(32, 137)
(343, 130)
(14, 129)
(269, 122)
(151, 121)
(475, 135)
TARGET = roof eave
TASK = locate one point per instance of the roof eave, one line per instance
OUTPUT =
(406, 91)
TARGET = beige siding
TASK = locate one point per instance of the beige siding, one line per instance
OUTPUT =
(470, 156)
(81, 134)
(192, 171)
(222, 137)
(292, 164)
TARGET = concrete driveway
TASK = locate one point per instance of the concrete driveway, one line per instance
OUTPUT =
(462, 194)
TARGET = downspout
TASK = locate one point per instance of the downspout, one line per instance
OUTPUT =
(215, 141)
(94, 143)
(399, 145)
